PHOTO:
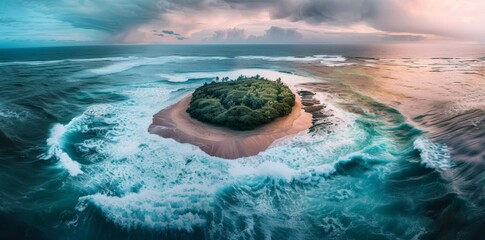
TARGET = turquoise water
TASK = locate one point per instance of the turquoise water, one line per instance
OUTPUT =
(77, 161)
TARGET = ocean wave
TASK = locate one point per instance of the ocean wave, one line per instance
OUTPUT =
(433, 155)
(183, 208)
(146, 61)
(184, 77)
(459, 64)
(287, 78)
(275, 170)
(31, 63)
(189, 198)
(333, 64)
(54, 143)
(47, 62)
(132, 169)
(129, 62)
(314, 58)
(326, 60)
(139, 169)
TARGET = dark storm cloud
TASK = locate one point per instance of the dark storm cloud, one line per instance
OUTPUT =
(108, 16)
(170, 32)
(289, 35)
(393, 16)
(315, 11)
(115, 17)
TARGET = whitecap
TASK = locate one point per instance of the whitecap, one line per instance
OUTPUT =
(287, 78)
(273, 169)
(314, 58)
(333, 64)
(31, 63)
(433, 155)
(181, 209)
(146, 61)
(54, 143)
(47, 62)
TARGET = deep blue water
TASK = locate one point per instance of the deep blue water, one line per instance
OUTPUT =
(77, 162)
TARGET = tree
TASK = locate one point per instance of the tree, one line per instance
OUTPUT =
(242, 105)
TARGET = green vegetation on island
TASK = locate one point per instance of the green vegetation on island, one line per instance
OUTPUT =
(242, 104)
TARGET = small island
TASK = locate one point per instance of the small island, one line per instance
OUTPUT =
(234, 118)
(243, 104)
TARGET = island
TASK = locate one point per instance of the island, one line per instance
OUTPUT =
(234, 118)
(243, 104)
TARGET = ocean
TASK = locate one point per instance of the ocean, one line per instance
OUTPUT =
(400, 153)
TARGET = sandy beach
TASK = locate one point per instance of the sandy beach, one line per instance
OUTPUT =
(174, 122)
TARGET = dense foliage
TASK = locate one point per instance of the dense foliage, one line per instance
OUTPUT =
(243, 104)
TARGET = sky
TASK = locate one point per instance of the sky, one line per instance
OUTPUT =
(83, 22)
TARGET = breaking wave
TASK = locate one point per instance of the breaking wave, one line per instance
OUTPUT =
(433, 155)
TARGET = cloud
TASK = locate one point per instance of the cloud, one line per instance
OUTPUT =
(314, 12)
(108, 16)
(277, 35)
(454, 19)
(233, 35)
(402, 38)
(391, 19)
(21, 26)
(271, 35)
(170, 32)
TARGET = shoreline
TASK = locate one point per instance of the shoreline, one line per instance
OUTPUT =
(174, 122)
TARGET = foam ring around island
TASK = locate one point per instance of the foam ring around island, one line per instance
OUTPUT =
(134, 169)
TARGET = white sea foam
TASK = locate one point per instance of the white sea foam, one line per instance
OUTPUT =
(332, 58)
(13, 115)
(146, 61)
(334, 64)
(180, 209)
(129, 62)
(112, 59)
(437, 64)
(433, 155)
(273, 169)
(314, 58)
(54, 142)
(47, 62)
(126, 65)
(287, 78)
(31, 63)
(183, 77)
(157, 183)
(326, 60)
